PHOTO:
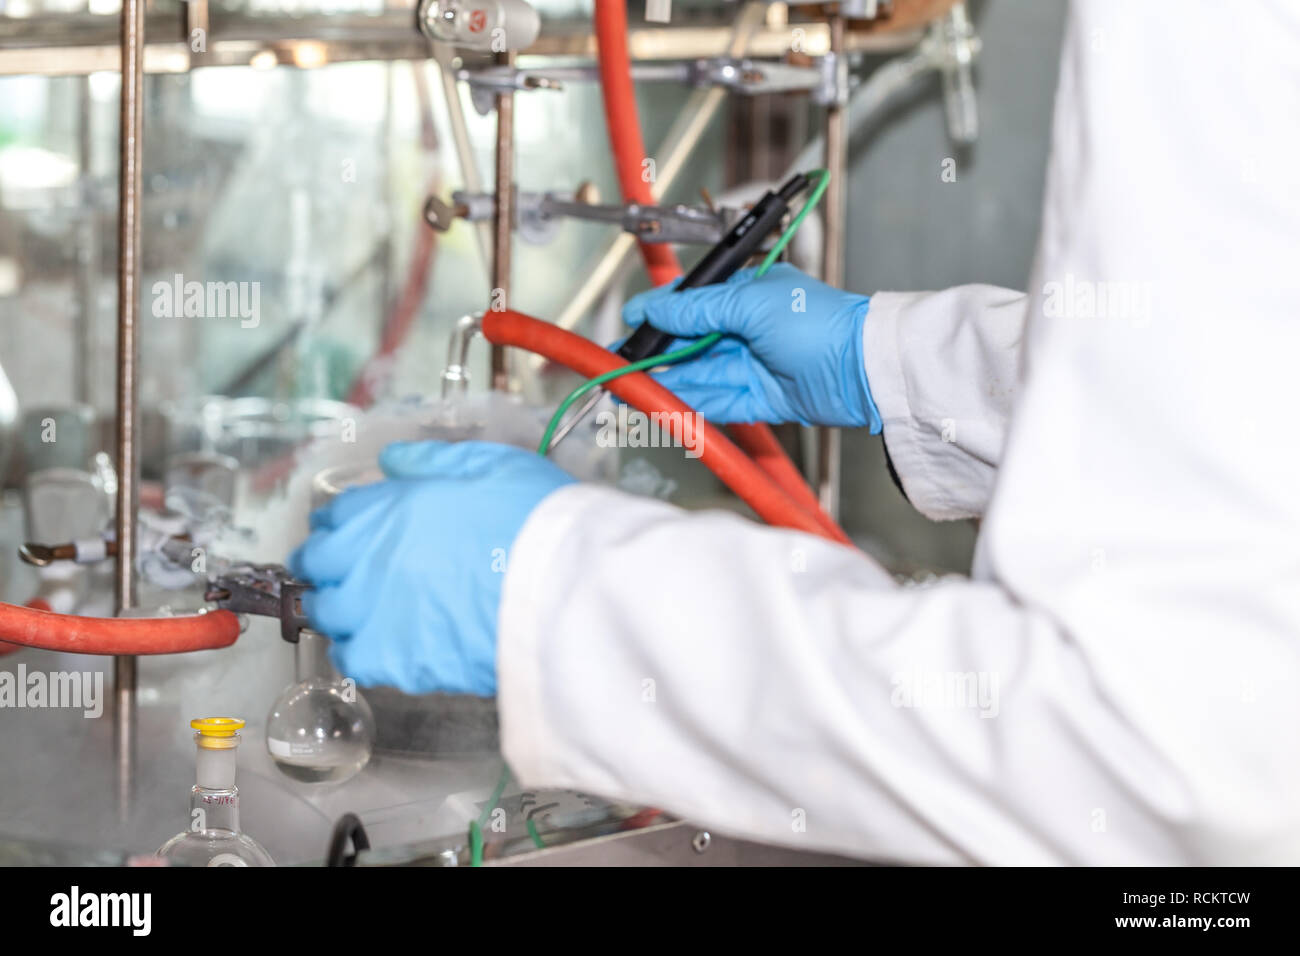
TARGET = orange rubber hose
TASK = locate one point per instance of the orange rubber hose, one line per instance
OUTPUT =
(760, 443)
(31, 627)
(736, 470)
(619, 97)
(37, 603)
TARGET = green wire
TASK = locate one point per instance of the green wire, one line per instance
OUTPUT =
(475, 844)
(599, 380)
(476, 826)
(532, 832)
(823, 180)
(669, 358)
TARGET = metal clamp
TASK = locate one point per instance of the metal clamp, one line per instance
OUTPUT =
(486, 83)
(677, 224)
(825, 79)
(537, 216)
(957, 47)
(267, 590)
(481, 207)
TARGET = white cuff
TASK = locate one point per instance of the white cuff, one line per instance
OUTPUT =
(907, 439)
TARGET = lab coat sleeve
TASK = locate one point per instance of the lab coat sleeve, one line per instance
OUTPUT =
(765, 683)
(1116, 683)
(942, 368)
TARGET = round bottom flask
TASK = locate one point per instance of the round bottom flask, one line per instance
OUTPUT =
(214, 848)
(320, 729)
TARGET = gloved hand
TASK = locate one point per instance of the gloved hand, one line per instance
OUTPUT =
(792, 350)
(407, 572)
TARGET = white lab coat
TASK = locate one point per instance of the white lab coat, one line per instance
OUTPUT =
(1130, 431)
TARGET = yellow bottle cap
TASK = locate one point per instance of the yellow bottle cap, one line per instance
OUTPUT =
(217, 733)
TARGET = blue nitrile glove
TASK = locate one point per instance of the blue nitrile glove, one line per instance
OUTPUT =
(792, 350)
(408, 571)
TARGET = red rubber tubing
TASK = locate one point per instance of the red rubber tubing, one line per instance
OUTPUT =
(736, 469)
(617, 92)
(32, 627)
(759, 442)
(37, 603)
(624, 125)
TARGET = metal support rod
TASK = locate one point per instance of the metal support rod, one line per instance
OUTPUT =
(128, 357)
(59, 44)
(835, 214)
(503, 222)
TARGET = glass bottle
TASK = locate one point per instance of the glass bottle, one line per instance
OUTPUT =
(214, 837)
(320, 729)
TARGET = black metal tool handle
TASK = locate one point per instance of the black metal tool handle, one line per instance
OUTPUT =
(722, 261)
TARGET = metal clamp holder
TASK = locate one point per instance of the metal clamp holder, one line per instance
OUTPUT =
(679, 223)
(266, 590)
(957, 47)
(824, 78)
(537, 216)
(486, 83)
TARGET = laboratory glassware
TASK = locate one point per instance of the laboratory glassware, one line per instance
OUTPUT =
(320, 729)
(214, 837)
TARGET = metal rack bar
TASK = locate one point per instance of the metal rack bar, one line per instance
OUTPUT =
(503, 223)
(86, 43)
(128, 399)
(829, 440)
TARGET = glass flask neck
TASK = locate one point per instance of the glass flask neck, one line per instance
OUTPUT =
(212, 809)
(214, 799)
(312, 659)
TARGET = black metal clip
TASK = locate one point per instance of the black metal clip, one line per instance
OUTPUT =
(267, 590)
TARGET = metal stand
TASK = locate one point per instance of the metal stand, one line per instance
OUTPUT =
(128, 399)
(503, 223)
(829, 440)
